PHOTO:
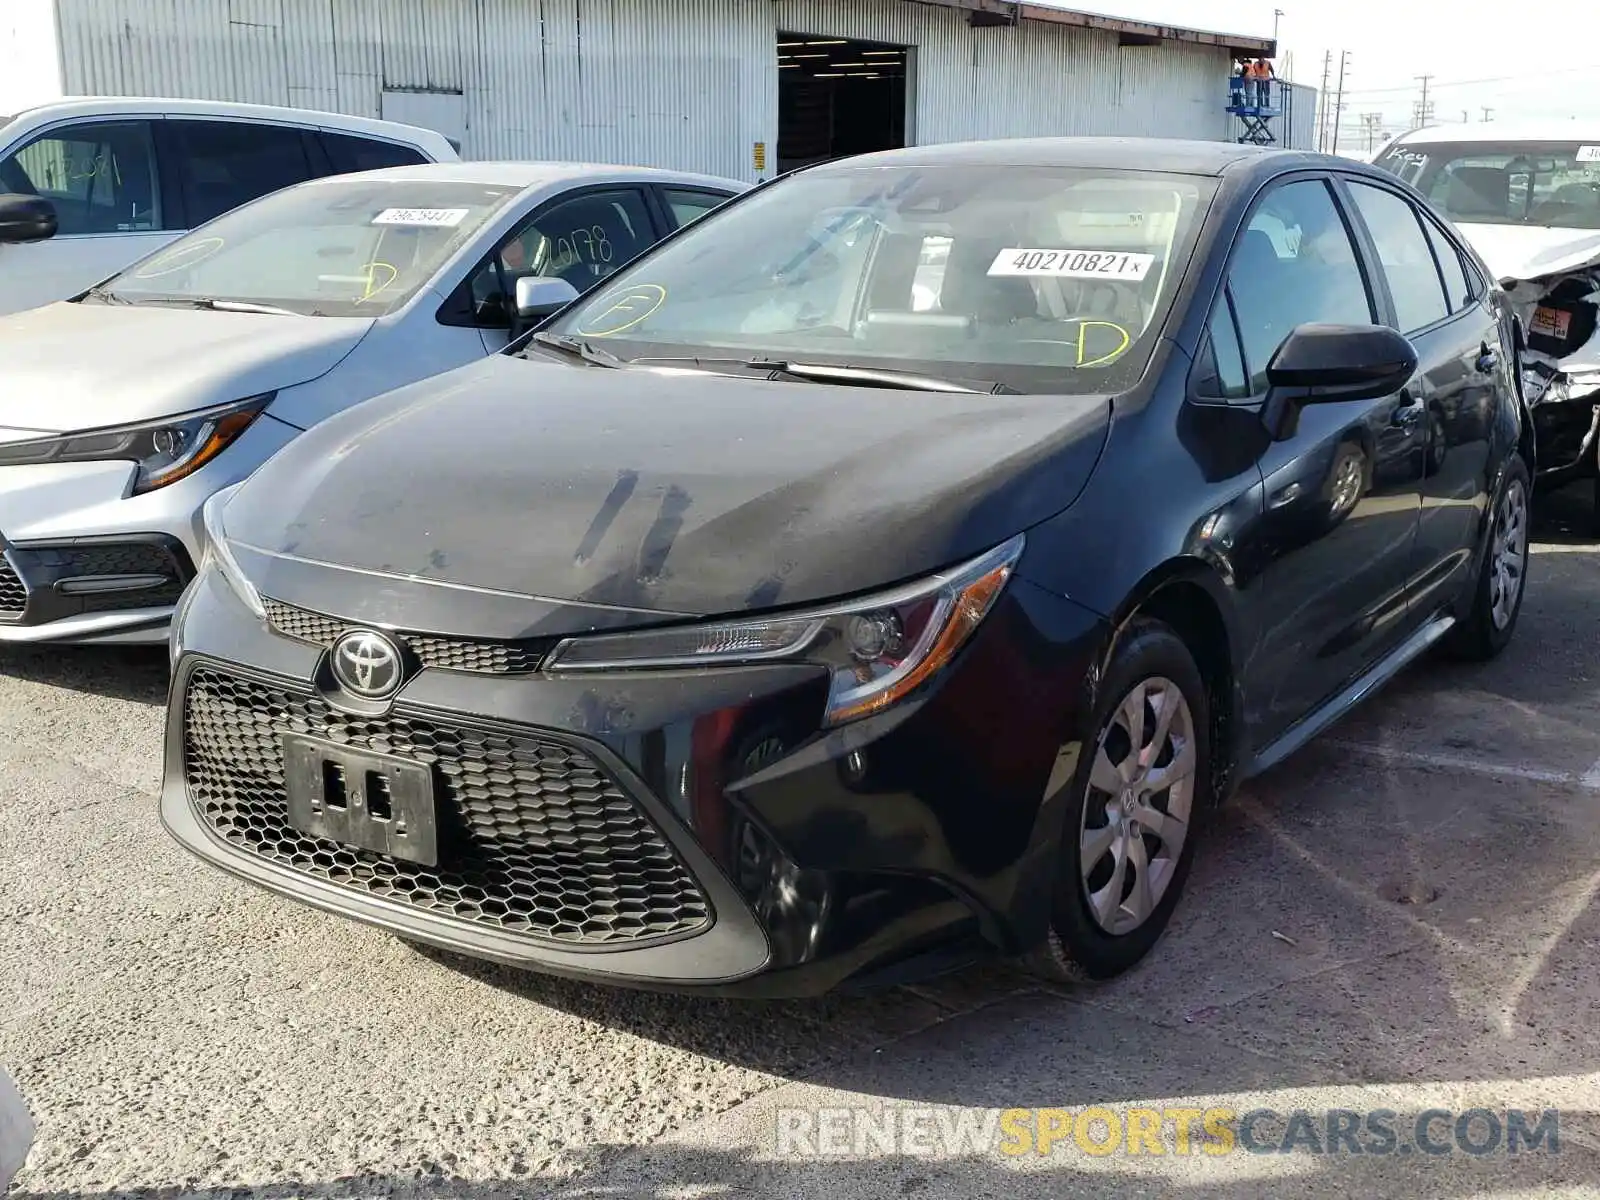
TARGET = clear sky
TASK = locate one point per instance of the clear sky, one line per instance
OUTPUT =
(1522, 60)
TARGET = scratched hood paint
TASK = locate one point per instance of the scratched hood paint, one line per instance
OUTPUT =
(654, 492)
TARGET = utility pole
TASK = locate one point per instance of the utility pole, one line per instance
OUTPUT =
(1424, 110)
(1374, 123)
(1322, 97)
(1338, 108)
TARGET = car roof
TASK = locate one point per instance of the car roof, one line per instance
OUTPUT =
(91, 106)
(1503, 131)
(532, 174)
(1105, 153)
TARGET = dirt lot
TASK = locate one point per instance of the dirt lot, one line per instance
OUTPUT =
(1401, 917)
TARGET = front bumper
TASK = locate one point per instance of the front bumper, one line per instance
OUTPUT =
(820, 859)
(85, 560)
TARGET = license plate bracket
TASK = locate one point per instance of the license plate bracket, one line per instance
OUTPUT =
(376, 802)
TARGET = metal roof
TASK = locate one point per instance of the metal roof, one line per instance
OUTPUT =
(1129, 32)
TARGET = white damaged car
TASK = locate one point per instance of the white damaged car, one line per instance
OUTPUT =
(1528, 199)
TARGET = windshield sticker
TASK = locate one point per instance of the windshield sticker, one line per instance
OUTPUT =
(1589, 153)
(633, 306)
(426, 218)
(1072, 264)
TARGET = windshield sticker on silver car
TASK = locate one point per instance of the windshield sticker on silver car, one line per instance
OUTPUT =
(1072, 264)
(428, 218)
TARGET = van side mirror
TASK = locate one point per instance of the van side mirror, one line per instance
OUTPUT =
(26, 218)
(1324, 364)
(540, 295)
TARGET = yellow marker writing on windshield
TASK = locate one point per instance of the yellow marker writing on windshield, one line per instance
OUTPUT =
(176, 260)
(631, 307)
(375, 271)
(1083, 332)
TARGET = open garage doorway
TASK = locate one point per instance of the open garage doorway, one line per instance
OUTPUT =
(838, 97)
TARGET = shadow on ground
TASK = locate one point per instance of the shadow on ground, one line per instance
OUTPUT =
(135, 673)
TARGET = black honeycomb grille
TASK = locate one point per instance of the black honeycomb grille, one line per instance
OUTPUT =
(120, 558)
(13, 595)
(445, 653)
(535, 837)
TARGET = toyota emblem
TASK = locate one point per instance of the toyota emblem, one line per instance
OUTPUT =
(367, 664)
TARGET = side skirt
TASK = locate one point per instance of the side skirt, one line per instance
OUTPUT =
(1338, 705)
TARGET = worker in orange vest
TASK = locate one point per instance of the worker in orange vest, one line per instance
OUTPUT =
(1263, 74)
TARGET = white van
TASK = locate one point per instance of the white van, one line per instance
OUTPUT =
(1526, 195)
(88, 186)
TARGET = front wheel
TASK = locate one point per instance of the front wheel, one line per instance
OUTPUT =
(1128, 836)
(1503, 578)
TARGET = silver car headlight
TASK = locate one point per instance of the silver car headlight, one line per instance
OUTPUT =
(878, 649)
(217, 555)
(166, 450)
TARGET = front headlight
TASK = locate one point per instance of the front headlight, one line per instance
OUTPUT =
(219, 557)
(877, 649)
(166, 450)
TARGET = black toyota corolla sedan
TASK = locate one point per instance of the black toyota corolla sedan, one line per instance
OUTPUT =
(899, 564)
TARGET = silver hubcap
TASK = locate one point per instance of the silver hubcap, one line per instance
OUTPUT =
(1347, 484)
(1136, 816)
(1508, 555)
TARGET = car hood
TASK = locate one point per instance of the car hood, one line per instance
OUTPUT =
(82, 366)
(640, 492)
(1532, 251)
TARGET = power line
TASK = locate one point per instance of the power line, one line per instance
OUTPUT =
(1530, 76)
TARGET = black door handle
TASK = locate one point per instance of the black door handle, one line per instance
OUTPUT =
(1409, 410)
(1487, 360)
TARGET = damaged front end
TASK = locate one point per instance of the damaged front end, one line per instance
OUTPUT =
(1559, 316)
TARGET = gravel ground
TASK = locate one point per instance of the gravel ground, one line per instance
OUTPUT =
(1429, 866)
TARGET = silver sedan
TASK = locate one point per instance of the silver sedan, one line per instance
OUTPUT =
(125, 408)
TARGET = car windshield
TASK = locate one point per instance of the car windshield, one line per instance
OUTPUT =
(341, 247)
(1548, 183)
(1040, 279)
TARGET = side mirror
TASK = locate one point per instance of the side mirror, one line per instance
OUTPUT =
(1324, 364)
(540, 295)
(26, 218)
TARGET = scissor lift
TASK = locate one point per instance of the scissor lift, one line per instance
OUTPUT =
(1257, 118)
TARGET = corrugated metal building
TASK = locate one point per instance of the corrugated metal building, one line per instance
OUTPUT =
(735, 87)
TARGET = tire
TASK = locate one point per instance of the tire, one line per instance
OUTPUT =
(1093, 938)
(1489, 624)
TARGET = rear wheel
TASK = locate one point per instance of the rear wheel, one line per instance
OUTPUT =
(1503, 578)
(1128, 837)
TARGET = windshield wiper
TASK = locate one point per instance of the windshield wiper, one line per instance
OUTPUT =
(211, 304)
(877, 377)
(105, 296)
(577, 348)
(833, 373)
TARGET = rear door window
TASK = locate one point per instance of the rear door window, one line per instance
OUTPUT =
(688, 205)
(1408, 262)
(223, 164)
(1458, 288)
(349, 153)
(100, 176)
